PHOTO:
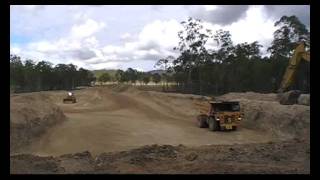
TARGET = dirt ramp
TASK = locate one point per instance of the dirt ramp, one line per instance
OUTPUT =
(263, 112)
(30, 116)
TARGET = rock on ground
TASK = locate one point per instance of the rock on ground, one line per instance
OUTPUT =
(290, 97)
(304, 99)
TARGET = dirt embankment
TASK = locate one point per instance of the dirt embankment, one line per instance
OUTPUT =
(31, 115)
(267, 158)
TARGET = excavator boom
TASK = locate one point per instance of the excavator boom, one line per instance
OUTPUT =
(288, 78)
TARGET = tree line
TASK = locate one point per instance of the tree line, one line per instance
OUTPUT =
(130, 76)
(235, 67)
(30, 76)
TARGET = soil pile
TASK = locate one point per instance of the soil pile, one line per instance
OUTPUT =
(30, 116)
(249, 96)
(268, 158)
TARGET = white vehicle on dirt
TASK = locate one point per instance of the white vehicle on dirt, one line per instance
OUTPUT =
(70, 98)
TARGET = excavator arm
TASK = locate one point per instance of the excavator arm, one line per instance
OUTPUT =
(288, 78)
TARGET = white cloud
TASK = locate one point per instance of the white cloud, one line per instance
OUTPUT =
(15, 50)
(91, 42)
(139, 69)
(86, 29)
(79, 45)
(32, 7)
(220, 14)
(112, 49)
(125, 36)
(163, 33)
(99, 37)
(43, 46)
(254, 27)
(105, 65)
(210, 7)
(155, 40)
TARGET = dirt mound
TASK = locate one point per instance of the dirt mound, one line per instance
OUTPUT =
(264, 112)
(181, 96)
(282, 157)
(249, 96)
(30, 116)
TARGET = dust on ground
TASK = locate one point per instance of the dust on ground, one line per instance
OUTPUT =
(115, 122)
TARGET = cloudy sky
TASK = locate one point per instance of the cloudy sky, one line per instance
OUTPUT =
(118, 37)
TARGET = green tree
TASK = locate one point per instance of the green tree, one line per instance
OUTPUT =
(16, 72)
(105, 77)
(291, 31)
(192, 48)
(31, 76)
(247, 51)
(131, 75)
(44, 75)
(164, 64)
(156, 78)
(119, 76)
(145, 78)
(225, 45)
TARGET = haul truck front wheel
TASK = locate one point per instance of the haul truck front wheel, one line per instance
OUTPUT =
(213, 124)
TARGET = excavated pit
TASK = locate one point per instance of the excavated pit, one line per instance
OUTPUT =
(121, 118)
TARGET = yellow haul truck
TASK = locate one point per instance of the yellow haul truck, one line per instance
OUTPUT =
(221, 116)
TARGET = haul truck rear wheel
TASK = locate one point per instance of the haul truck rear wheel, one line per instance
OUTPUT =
(202, 121)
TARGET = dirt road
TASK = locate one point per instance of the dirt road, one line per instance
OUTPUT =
(106, 121)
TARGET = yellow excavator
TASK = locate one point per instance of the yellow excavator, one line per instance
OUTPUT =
(299, 54)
